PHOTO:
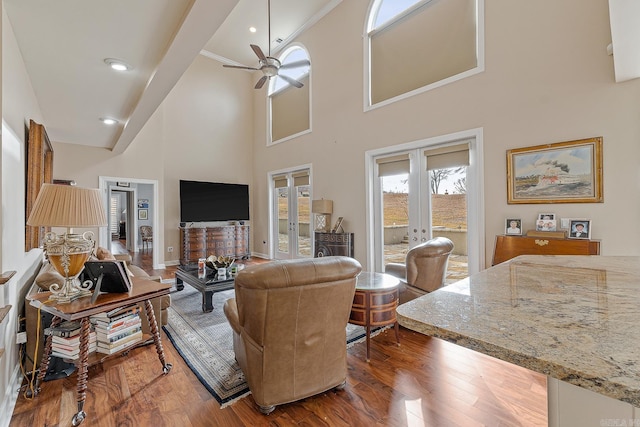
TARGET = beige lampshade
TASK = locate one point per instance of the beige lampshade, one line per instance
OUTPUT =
(67, 206)
(322, 206)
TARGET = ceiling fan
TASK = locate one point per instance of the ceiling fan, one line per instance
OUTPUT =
(269, 65)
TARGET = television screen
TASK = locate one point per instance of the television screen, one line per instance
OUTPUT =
(213, 201)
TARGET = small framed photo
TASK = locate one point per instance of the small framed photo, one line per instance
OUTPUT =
(579, 229)
(143, 203)
(143, 213)
(513, 226)
(546, 225)
(547, 216)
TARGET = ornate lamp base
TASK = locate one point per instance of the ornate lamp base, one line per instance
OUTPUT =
(67, 254)
(322, 222)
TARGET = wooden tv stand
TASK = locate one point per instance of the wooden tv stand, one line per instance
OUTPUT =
(224, 240)
(508, 247)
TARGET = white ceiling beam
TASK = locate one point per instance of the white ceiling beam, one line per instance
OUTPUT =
(199, 25)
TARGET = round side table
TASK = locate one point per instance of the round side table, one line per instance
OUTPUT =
(375, 303)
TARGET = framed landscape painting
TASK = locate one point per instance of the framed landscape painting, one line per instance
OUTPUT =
(563, 172)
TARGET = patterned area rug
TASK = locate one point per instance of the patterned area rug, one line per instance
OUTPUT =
(204, 340)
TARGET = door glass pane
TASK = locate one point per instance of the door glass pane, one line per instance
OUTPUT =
(304, 221)
(282, 196)
(395, 217)
(449, 216)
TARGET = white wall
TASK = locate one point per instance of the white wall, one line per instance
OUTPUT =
(547, 79)
(18, 106)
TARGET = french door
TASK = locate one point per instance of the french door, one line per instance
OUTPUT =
(291, 214)
(424, 190)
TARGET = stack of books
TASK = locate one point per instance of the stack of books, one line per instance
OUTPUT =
(65, 340)
(117, 330)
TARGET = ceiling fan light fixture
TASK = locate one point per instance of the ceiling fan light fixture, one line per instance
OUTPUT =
(117, 64)
(268, 64)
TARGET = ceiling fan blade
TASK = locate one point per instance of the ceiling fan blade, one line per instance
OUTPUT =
(241, 67)
(292, 82)
(296, 64)
(261, 82)
(258, 52)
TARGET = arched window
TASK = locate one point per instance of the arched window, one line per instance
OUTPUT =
(417, 45)
(290, 106)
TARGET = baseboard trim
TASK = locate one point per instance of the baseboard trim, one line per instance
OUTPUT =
(10, 397)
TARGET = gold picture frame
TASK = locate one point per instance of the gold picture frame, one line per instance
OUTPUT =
(562, 172)
(39, 170)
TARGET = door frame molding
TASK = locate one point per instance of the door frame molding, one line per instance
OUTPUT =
(158, 241)
(475, 192)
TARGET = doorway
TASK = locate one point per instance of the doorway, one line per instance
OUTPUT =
(135, 188)
(291, 228)
(121, 220)
(426, 189)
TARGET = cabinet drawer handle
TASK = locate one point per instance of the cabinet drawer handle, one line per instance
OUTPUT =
(542, 242)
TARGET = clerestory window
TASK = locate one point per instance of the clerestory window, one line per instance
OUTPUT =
(417, 45)
(290, 106)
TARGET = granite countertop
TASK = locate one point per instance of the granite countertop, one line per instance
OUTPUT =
(574, 318)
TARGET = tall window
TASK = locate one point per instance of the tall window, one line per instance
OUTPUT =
(416, 45)
(290, 106)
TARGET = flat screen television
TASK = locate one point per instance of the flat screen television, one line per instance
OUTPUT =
(213, 201)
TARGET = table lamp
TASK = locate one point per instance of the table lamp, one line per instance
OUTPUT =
(68, 206)
(322, 209)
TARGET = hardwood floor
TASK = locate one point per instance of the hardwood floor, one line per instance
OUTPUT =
(424, 381)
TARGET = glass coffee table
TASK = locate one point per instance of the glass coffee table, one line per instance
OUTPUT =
(207, 284)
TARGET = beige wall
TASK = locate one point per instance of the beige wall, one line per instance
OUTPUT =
(547, 79)
(202, 131)
(18, 106)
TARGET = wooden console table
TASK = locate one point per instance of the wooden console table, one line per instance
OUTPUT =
(508, 247)
(375, 303)
(81, 309)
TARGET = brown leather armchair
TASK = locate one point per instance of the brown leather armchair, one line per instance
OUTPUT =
(289, 322)
(425, 268)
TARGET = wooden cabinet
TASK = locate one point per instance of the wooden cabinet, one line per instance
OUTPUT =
(333, 244)
(508, 247)
(226, 240)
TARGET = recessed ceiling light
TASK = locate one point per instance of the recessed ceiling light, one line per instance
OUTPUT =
(252, 29)
(108, 121)
(117, 64)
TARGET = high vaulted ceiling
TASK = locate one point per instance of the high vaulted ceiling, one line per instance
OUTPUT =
(64, 44)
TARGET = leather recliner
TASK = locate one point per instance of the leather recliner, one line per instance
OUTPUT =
(425, 268)
(289, 323)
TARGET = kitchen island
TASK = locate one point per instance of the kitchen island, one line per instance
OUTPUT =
(575, 319)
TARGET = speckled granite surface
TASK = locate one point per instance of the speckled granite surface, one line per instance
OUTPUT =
(574, 318)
